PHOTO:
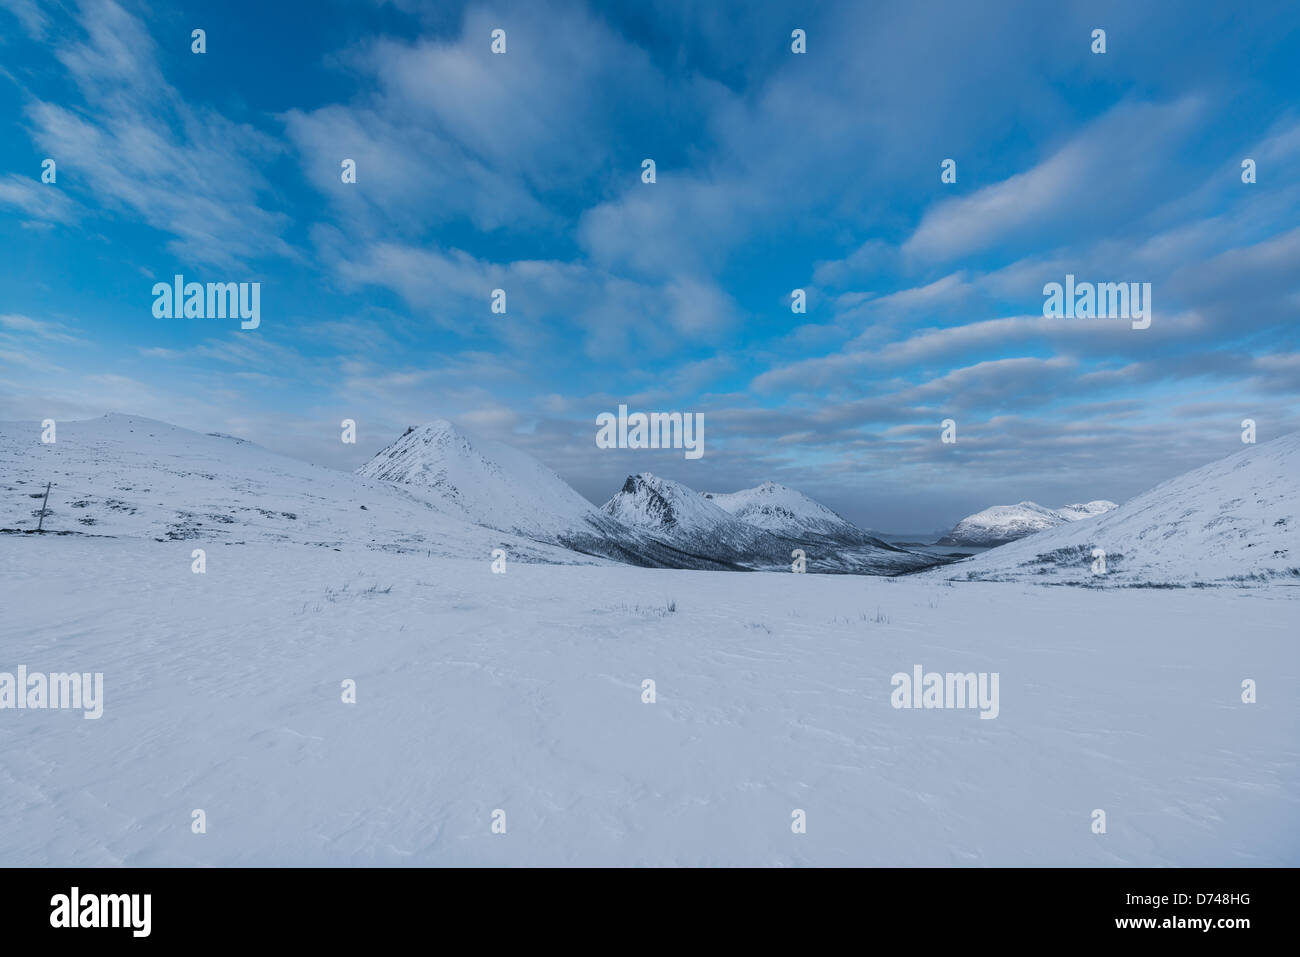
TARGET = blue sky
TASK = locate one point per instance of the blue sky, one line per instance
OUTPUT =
(775, 171)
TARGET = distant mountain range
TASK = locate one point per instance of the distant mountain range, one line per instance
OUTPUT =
(438, 491)
(652, 521)
(1001, 524)
(435, 489)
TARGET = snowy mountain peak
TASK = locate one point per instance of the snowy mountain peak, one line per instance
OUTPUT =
(1087, 509)
(480, 480)
(784, 511)
(651, 501)
(437, 432)
(1001, 524)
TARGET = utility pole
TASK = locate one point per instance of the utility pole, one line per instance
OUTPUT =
(44, 502)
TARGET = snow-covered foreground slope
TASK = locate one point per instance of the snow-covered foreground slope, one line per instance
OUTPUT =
(523, 692)
(125, 475)
(1234, 520)
(1001, 524)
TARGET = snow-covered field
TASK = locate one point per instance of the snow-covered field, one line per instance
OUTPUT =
(523, 692)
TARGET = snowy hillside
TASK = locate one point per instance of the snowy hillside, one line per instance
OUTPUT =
(128, 476)
(1008, 523)
(1234, 520)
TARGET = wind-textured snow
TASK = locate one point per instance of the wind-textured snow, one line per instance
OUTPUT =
(1007, 523)
(1236, 520)
(523, 692)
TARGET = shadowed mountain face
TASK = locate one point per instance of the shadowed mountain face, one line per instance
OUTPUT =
(768, 524)
(674, 513)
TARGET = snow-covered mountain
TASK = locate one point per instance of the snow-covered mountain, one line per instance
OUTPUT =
(1008, 523)
(674, 513)
(1087, 510)
(481, 481)
(784, 511)
(653, 521)
(769, 523)
(1234, 520)
(495, 485)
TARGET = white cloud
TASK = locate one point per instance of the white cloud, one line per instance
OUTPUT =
(43, 201)
(1108, 166)
(140, 148)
